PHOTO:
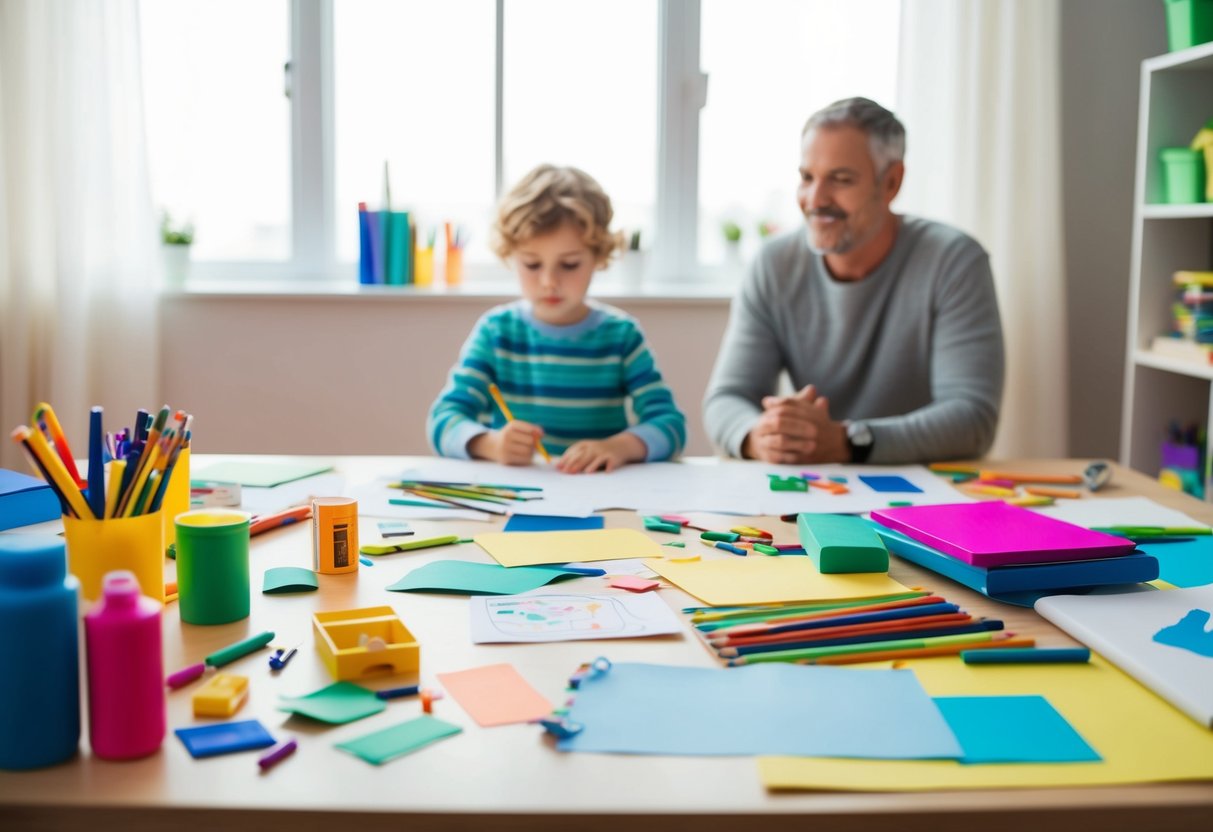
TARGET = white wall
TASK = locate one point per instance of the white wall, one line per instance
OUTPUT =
(356, 373)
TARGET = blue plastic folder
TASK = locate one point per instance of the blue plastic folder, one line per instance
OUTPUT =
(552, 523)
(224, 738)
(25, 500)
(760, 709)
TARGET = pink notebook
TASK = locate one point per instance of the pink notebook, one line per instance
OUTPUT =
(996, 534)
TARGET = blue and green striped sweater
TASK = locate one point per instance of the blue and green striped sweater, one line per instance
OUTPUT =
(573, 381)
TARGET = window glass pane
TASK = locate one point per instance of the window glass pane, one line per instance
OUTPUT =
(414, 85)
(770, 66)
(581, 90)
(218, 124)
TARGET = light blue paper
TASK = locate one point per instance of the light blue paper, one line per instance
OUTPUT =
(1013, 729)
(759, 709)
(1184, 563)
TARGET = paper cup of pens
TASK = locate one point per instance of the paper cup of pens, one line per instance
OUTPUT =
(212, 565)
(95, 547)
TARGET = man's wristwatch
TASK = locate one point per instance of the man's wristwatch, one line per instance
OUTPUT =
(859, 440)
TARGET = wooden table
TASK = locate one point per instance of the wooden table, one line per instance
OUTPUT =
(510, 777)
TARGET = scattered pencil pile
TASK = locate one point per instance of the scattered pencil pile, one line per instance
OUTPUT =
(906, 625)
(491, 499)
(142, 457)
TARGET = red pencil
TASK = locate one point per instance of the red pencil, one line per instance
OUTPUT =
(281, 518)
(775, 621)
(895, 625)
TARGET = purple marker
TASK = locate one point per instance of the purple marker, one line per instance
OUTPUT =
(186, 675)
(277, 754)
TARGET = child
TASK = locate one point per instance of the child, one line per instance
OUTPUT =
(565, 366)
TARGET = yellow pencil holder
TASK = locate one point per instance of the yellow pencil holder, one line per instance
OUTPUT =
(176, 496)
(95, 547)
(423, 268)
(454, 266)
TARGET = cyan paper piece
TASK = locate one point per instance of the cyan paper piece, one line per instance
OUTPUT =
(1189, 633)
(390, 743)
(759, 709)
(552, 523)
(337, 704)
(470, 578)
(1184, 563)
(280, 580)
(889, 484)
(1013, 729)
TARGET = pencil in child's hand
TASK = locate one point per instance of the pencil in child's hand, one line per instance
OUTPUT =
(495, 392)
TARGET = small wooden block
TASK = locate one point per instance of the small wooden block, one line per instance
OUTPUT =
(842, 543)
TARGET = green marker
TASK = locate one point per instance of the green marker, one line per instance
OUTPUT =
(404, 546)
(240, 649)
(765, 549)
(723, 537)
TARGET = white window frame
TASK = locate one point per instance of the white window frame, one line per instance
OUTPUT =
(309, 83)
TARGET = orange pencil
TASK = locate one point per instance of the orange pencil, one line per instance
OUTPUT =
(924, 652)
(45, 413)
(1054, 479)
(1063, 493)
(758, 629)
(495, 392)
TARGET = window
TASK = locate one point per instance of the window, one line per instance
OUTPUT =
(218, 125)
(269, 147)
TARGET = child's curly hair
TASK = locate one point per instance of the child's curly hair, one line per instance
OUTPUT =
(548, 197)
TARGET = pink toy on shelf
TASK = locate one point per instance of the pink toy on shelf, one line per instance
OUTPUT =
(126, 699)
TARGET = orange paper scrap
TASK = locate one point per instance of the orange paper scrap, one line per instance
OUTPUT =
(495, 695)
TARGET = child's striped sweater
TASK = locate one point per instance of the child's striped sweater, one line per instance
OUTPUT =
(573, 381)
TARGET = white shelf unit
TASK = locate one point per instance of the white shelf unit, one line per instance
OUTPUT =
(1176, 100)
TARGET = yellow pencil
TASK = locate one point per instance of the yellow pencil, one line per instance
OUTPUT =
(55, 469)
(117, 469)
(495, 392)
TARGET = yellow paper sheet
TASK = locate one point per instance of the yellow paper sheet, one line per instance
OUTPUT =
(534, 548)
(762, 580)
(1140, 737)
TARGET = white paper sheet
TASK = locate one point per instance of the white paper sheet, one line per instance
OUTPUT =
(1117, 511)
(538, 617)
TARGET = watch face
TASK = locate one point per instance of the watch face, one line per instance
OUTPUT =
(859, 434)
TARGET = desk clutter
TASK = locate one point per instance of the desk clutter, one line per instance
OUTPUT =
(822, 665)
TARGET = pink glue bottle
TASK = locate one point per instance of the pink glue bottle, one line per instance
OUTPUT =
(126, 698)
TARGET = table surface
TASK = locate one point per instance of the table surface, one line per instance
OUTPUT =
(510, 776)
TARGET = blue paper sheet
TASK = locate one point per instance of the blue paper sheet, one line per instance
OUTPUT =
(760, 709)
(552, 523)
(1184, 563)
(889, 484)
(1013, 729)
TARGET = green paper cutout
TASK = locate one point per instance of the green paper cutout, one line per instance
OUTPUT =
(259, 474)
(339, 703)
(381, 746)
(469, 578)
(284, 579)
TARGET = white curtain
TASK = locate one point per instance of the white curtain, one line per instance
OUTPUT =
(979, 93)
(79, 263)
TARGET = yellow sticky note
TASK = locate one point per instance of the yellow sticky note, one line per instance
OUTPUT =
(749, 580)
(1141, 738)
(535, 548)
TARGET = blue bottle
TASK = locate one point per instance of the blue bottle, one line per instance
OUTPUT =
(39, 653)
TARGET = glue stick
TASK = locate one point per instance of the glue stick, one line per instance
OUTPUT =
(334, 535)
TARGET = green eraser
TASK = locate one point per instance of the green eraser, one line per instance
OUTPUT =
(841, 543)
(725, 537)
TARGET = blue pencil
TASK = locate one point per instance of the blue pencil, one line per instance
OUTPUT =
(96, 464)
(841, 620)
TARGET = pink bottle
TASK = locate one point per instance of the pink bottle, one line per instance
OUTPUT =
(126, 704)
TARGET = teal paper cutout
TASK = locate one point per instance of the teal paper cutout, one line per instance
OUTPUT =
(285, 579)
(469, 578)
(1189, 633)
(381, 746)
(336, 704)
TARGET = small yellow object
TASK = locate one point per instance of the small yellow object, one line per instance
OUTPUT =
(1030, 501)
(222, 695)
(992, 490)
(364, 642)
(683, 558)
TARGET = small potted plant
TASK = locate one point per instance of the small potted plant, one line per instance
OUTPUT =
(175, 241)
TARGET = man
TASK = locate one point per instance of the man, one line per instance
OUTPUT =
(887, 325)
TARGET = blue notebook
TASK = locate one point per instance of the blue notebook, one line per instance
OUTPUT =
(25, 500)
(994, 581)
(224, 738)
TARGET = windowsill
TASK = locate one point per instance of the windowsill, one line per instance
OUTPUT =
(473, 290)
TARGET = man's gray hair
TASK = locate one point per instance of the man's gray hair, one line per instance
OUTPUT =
(886, 135)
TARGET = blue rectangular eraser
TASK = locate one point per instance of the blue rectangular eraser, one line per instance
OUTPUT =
(224, 738)
(1027, 655)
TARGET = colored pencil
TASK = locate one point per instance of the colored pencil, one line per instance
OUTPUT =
(495, 392)
(806, 653)
(857, 618)
(60, 479)
(924, 653)
(486, 508)
(755, 615)
(96, 463)
(862, 639)
(1051, 479)
(850, 629)
(21, 437)
(44, 413)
